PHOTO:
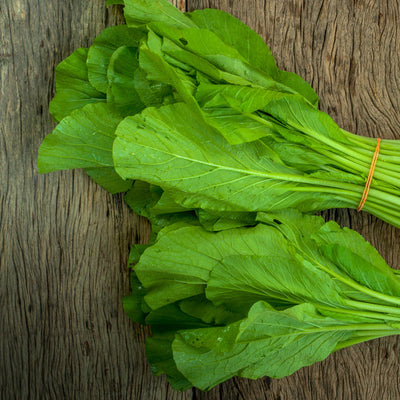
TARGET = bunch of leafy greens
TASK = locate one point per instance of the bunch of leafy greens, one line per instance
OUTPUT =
(190, 116)
(264, 300)
(195, 104)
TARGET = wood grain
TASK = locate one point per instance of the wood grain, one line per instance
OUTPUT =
(64, 241)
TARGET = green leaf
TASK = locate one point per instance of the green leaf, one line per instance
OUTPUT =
(158, 70)
(142, 197)
(110, 2)
(202, 308)
(295, 226)
(165, 321)
(296, 113)
(84, 140)
(235, 124)
(203, 59)
(152, 93)
(179, 264)
(251, 46)
(149, 201)
(297, 83)
(174, 148)
(73, 89)
(241, 98)
(122, 92)
(252, 113)
(280, 279)
(357, 258)
(267, 343)
(167, 205)
(103, 48)
(237, 35)
(343, 253)
(135, 253)
(142, 12)
(172, 318)
(207, 53)
(159, 354)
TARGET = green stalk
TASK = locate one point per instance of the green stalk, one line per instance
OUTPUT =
(357, 313)
(375, 307)
(385, 197)
(340, 156)
(388, 175)
(364, 338)
(385, 176)
(355, 285)
(384, 216)
(386, 208)
(388, 146)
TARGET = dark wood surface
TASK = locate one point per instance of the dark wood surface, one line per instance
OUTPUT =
(64, 241)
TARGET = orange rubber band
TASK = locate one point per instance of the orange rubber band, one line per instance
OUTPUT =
(370, 175)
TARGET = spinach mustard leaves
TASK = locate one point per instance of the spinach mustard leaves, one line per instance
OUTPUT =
(189, 116)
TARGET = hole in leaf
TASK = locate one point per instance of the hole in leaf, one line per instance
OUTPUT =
(183, 41)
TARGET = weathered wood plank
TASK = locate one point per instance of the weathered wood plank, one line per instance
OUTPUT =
(64, 241)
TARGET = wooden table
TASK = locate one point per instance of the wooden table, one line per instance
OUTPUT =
(64, 241)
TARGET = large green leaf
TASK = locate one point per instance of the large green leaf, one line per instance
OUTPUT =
(267, 112)
(234, 268)
(237, 35)
(251, 46)
(141, 12)
(296, 113)
(103, 48)
(178, 266)
(84, 140)
(301, 140)
(238, 281)
(73, 89)
(174, 148)
(241, 98)
(343, 253)
(296, 227)
(355, 256)
(232, 110)
(206, 52)
(267, 343)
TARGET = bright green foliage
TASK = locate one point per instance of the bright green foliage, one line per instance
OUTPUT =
(122, 84)
(82, 140)
(211, 120)
(73, 87)
(286, 303)
(189, 115)
(103, 48)
(141, 12)
(156, 146)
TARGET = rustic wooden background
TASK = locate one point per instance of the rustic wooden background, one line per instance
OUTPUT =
(64, 241)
